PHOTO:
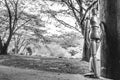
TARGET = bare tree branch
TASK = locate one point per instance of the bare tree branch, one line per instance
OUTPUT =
(10, 16)
(15, 12)
(22, 44)
(21, 25)
(87, 11)
(69, 3)
(66, 24)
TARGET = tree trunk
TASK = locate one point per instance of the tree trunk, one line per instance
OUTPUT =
(4, 50)
(86, 52)
(86, 48)
(16, 46)
(0, 45)
(5, 45)
(110, 54)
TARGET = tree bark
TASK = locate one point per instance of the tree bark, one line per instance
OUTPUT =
(0, 45)
(4, 50)
(86, 52)
(5, 45)
(86, 48)
(110, 54)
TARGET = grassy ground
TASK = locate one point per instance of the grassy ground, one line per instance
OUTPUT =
(62, 65)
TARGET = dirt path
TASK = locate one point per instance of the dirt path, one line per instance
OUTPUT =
(11, 73)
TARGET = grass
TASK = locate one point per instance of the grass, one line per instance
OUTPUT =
(62, 65)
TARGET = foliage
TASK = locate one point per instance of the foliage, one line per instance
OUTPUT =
(24, 22)
(61, 46)
(15, 21)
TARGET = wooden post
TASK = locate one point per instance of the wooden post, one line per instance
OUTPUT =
(110, 58)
